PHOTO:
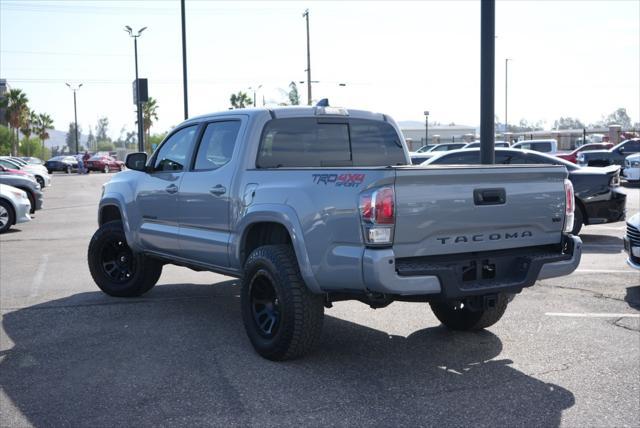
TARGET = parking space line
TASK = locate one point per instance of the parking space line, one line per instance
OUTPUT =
(39, 276)
(591, 315)
(606, 271)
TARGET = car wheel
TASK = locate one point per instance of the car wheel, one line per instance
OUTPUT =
(115, 268)
(282, 318)
(32, 200)
(40, 181)
(50, 171)
(68, 169)
(7, 216)
(457, 316)
(106, 169)
(578, 221)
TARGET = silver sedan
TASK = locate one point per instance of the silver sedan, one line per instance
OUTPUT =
(14, 207)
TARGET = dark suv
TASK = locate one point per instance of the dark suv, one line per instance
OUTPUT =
(613, 156)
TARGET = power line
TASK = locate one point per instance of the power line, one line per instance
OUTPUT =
(11, 51)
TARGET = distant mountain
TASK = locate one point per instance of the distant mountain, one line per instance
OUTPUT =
(58, 138)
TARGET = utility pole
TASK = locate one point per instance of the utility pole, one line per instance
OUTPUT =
(75, 114)
(138, 101)
(426, 127)
(184, 62)
(306, 15)
(487, 80)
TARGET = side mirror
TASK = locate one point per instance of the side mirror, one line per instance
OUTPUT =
(137, 161)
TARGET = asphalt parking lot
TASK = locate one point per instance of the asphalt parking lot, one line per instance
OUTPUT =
(566, 353)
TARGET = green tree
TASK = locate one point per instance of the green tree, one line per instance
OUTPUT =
(70, 139)
(16, 104)
(43, 125)
(568, 123)
(28, 127)
(91, 140)
(6, 140)
(294, 96)
(149, 116)
(240, 100)
(33, 147)
(102, 129)
(105, 146)
(619, 117)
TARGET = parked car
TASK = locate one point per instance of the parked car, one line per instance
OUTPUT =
(38, 171)
(418, 158)
(545, 146)
(5, 170)
(425, 148)
(14, 207)
(66, 164)
(30, 186)
(597, 190)
(312, 205)
(631, 171)
(476, 144)
(632, 241)
(613, 156)
(573, 156)
(104, 163)
(32, 160)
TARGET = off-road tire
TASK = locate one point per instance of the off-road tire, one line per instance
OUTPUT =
(465, 319)
(11, 215)
(146, 273)
(301, 312)
(578, 221)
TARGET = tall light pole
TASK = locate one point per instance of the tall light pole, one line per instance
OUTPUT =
(75, 112)
(506, 92)
(487, 80)
(306, 15)
(426, 127)
(184, 61)
(255, 90)
(138, 102)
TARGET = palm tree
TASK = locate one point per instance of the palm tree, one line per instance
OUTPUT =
(16, 113)
(28, 127)
(240, 100)
(149, 116)
(43, 123)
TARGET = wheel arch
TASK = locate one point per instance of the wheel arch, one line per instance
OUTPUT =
(12, 207)
(265, 225)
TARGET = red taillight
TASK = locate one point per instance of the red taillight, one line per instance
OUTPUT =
(365, 207)
(568, 190)
(384, 206)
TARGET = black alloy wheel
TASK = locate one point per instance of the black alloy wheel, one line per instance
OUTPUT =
(118, 262)
(265, 305)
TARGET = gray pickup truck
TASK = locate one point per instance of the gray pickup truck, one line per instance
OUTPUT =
(313, 205)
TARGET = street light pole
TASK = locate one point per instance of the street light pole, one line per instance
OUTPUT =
(75, 114)
(306, 15)
(184, 62)
(138, 102)
(487, 80)
(506, 92)
(426, 127)
(255, 93)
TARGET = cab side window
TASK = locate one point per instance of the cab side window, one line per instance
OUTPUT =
(631, 147)
(174, 153)
(216, 147)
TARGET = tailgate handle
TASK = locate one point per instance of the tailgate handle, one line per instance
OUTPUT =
(489, 196)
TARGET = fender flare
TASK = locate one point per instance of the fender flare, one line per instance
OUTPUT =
(281, 214)
(116, 200)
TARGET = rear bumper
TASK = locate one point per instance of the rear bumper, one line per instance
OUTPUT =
(607, 211)
(631, 174)
(471, 274)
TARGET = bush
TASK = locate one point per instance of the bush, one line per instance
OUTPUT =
(6, 137)
(33, 147)
(105, 146)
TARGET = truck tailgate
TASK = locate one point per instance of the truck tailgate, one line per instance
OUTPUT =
(461, 209)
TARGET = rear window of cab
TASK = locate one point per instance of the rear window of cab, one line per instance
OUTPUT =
(329, 142)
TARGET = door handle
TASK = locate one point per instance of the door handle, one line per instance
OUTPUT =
(171, 188)
(218, 190)
(489, 196)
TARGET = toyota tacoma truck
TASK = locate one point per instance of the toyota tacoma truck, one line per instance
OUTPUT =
(313, 205)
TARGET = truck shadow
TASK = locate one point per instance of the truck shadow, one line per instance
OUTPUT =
(179, 356)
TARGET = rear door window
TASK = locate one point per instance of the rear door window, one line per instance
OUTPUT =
(216, 146)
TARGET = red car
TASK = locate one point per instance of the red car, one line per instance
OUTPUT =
(104, 163)
(572, 156)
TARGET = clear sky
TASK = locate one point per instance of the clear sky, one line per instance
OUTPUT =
(573, 58)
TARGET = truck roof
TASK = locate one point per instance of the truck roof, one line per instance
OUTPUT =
(294, 111)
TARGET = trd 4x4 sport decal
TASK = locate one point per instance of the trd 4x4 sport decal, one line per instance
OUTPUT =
(339, 180)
